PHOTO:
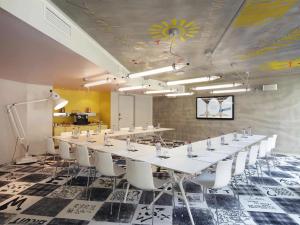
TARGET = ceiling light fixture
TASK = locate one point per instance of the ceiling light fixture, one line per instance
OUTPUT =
(218, 86)
(193, 80)
(230, 91)
(97, 83)
(171, 68)
(160, 91)
(133, 88)
(179, 94)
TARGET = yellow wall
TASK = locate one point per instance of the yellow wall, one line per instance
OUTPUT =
(79, 100)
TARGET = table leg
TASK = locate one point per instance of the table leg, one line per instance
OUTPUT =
(179, 182)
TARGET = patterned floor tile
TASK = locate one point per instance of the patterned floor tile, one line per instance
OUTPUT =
(79, 181)
(3, 183)
(5, 217)
(67, 192)
(57, 180)
(10, 177)
(22, 219)
(116, 212)
(95, 194)
(291, 206)
(276, 191)
(47, 207)
(39, 189)
(195, 200)
(278, 174)
(147, 198)
(103, 183)
(80, 210)
(259, 204)
(118, 196)
(201, 217)
(10, 168)
(34, 178)
(18, 203)
(295, 217)
(289, 168)
(29, 169)
(59, 221)
(223, 201)
(264, 181)
(162, 215)
(247, 190)
(288, 182)
(233, 216)
(264, 218)
(15, 187)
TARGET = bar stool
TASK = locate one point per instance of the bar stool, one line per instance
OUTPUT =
(139, 174)
(83, 160)
(214, 181)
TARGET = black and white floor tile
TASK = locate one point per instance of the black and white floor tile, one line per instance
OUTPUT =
(37, 194)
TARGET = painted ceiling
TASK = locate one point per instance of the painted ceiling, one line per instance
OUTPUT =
(227, 37)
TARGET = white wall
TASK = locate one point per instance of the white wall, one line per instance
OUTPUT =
(37, 118)
(143, 109)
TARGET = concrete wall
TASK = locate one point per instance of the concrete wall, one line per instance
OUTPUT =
(36, 118)
(276, 112)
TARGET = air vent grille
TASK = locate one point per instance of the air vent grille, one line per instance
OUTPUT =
(59, 23)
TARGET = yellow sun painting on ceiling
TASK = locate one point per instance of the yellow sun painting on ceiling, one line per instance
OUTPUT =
(180, 29)
(259, 12)
(282, 65)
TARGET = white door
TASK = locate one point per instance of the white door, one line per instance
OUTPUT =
(126, 111)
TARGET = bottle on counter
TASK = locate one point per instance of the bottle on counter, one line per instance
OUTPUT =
(235, 136)
(158, 149)
(244, 133)
(189, 149)
(222, 139)
(208, 143)
(249, 131)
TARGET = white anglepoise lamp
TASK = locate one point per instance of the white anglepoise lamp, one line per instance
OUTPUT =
(18, 128)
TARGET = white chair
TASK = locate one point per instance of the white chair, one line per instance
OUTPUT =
(214, 181)
(264, 147)
(240, 165)
(105, 166)
(50, 150)
(252, 160)
(65, 155)
(139, 174)
(83, 160)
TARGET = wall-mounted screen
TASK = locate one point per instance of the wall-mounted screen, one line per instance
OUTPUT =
(216, 107)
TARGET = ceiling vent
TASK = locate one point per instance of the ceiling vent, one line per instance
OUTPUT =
(270, 87)
(58, 22)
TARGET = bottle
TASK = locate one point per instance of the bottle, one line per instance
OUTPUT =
(105, 139)
(208, 143)
(128, 143)
(244, 133)
(222, 139)
(249, 131)
(158, 149)
(235, 136)
(189, 149)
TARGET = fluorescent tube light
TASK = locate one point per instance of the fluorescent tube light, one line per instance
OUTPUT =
(96, 83)
(174, 67)
(230, 91)
(218, 86)
(193, 80)
(180, 94)
(160, 91)
(132, 88)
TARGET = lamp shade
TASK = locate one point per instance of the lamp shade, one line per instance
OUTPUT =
(59, 103)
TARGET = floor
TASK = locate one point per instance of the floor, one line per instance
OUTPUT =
(30, 195)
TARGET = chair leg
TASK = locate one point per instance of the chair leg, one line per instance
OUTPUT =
(246, 177)
(126, 193)
(216, 204)
(153, 208)
(87, 185)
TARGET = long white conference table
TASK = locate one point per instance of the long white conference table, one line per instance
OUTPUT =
(177, 159)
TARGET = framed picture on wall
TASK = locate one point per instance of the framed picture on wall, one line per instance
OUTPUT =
(215, 107)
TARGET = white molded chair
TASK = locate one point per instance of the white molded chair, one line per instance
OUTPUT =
(50, 150)
(139, 174)
(221, 178)
(252, 160)
(83, 160)
(264, 147)
(65, 155)
(105, 166)
(240, 165)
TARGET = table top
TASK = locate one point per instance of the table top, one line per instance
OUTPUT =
(178, 159)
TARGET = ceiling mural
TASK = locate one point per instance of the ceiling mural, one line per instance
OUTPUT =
(225, 37)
